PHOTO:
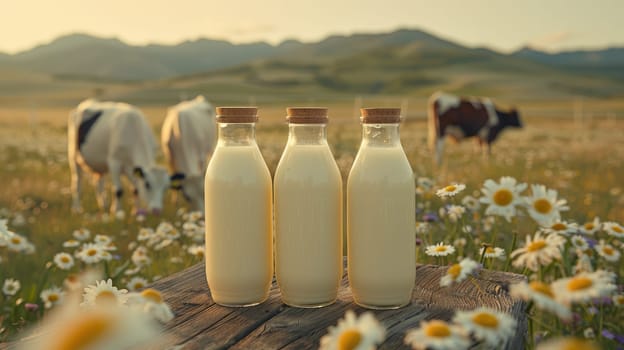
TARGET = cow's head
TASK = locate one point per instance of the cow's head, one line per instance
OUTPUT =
(513, 119)
(151, 185)
(191, 187)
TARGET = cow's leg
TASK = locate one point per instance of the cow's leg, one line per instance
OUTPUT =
(114, 167)
(76, 181)
(100, 194)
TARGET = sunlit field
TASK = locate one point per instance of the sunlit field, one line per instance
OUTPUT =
(579, 156)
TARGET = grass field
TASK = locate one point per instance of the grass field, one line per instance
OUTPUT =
(581, 158)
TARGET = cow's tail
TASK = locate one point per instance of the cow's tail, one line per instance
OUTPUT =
(432, 124)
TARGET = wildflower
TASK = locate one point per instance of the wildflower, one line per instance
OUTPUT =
(140, 257)
(103, 293)
(618, 300)
(492, 252)
(197, 251)
(614, 229)
(539, 251)
(437, 335)
(82, 234)
(455, 212)
(590, 228)
(502, 198)
(458, 272)
(64, 261)
(425, 184)
(52, 296)
(72, 243)
(583, 264)
(422, 227)
(151, 302)
(564, 343)
(352, 332)
(163, 244)
(450, 190)
(144, 234)
(488, 223)
(460, 242)
(11, 287)
(589, 333)
(440, 249)
(485, 324)
(579, 242)
(561, 227)
(584, 286)
(102, 240)
(543, 206)
(168, 230)
(471, 203)
(91, 253)
(542, 295)
(607, 251)
(194, 216)
(136, 283)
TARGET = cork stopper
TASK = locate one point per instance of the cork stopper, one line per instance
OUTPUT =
(307, 115)
(237, 114)
(380, 115)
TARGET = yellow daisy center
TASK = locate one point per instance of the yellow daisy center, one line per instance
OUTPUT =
(617, 229)
(84, 331)
(16, 240)
(579, 283)
(542, 206)
(608, 250)
(578, 344)
(486, 320)
(53, 298)
(105, 297)
(489, 250)
(619, 300)
(503, 197)
(138, 285)
(542, 288)
(349, 339)
(440, 248)
(536, 245)
(589, 226)
(438, 329)
(454, 271)
(450, 188)
(558, 227)
(65, 259)
(92, 252)
(153, 295)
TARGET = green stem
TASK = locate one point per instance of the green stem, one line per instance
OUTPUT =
(511, 249)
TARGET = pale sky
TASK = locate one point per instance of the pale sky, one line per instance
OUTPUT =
(503, 25)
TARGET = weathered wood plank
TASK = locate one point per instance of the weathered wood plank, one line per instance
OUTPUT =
(273, 325)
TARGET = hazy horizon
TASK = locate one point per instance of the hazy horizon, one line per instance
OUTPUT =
(504, 26)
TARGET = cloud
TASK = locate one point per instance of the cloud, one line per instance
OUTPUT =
(551, 40)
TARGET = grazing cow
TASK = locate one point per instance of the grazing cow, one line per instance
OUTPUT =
(460, 118)
(188, 137)
(109, 137)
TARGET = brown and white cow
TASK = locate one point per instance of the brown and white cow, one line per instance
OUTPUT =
(461, 118)
(188, 137)
(115, 138)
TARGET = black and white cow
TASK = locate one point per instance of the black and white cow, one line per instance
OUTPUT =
(461, 118)
(115, 138)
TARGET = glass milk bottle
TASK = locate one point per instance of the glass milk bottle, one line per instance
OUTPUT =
(308, 213)
(381, 243)
(238, 198)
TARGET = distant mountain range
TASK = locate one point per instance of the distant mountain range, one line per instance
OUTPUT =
(85, 56)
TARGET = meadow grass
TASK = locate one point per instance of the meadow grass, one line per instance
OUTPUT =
(584, 162)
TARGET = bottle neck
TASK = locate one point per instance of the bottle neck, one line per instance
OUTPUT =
(381, 135)
(237, 134)
(307, 134)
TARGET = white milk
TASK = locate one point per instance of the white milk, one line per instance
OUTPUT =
(308, 225)
(380, 218)
(239, 264)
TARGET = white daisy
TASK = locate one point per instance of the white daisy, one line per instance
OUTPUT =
(136, 283)
(584, 286)
(543, 297)
(72, 243)
(82, 234)
(561, 227)
(197, 250)
(583, 263)
(440, 249)
(193, 216)
(17, 242)
(354, 333)
(618, 300)
(422, 228)
(543, 205)
(151, 302)
(52, 296)
(102, 240)
(539, 251)
(455, 212)
(103, 293)
(458, 272)
(591, 227)
(64, 261)
(488, 325)
(471, 203)
(11, 287)
(168, 230)
(502, 199)
(144, 234)
(607, 251)
(492, 252)
(579, 242)
(567, 343)
(450, 190)
(614, 229)
(91, 253)
(140, 257)
(437, 335)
